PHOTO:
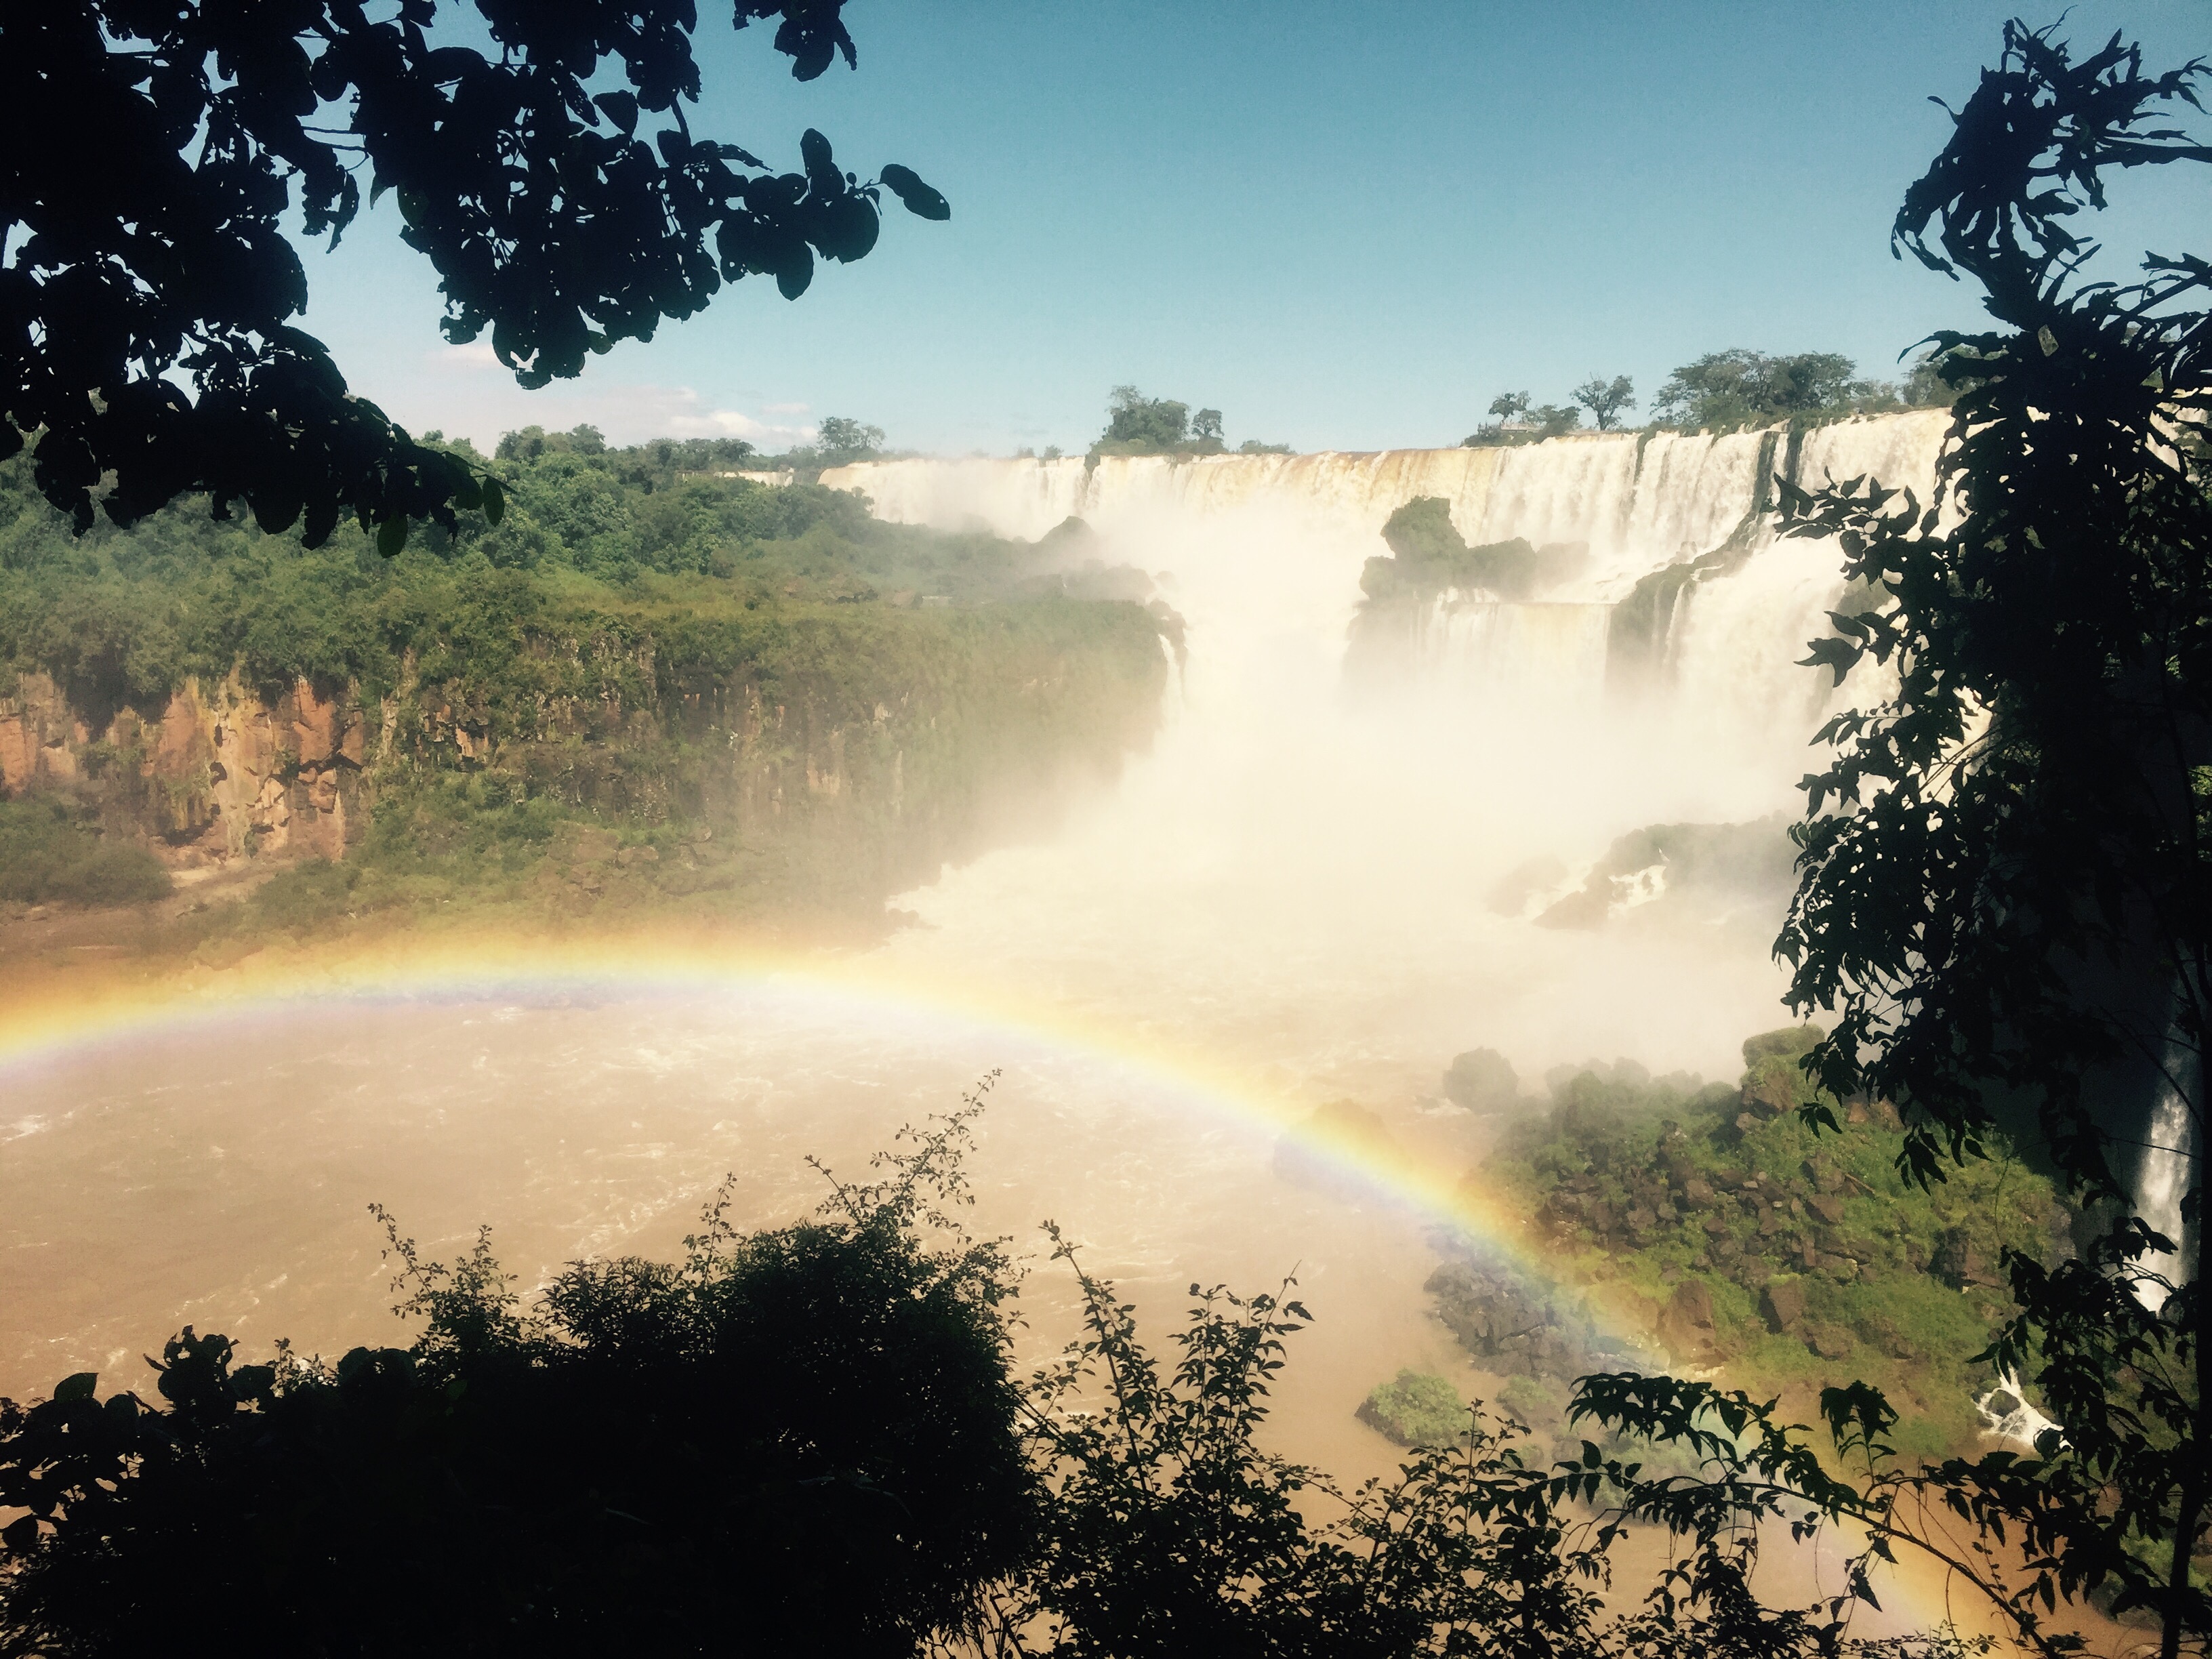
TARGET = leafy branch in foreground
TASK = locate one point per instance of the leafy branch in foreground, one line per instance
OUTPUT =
(1166, 1528)
(148, 292)
(2006, 872)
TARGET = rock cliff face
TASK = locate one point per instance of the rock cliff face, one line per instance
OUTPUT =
(222, 773)
(847, 763)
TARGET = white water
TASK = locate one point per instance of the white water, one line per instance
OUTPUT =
(1297, 882)
(2169, 1166)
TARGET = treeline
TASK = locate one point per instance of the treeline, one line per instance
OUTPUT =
(1726, 391)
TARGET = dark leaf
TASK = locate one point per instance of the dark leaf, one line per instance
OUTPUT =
(918, 197)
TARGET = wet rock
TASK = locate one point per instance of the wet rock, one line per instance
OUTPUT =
(1506, 1319)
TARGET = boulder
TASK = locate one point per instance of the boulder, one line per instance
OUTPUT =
(1782, 1304)
(1482, 1080)
(1828, 1207)
(1828, 1341)
(1687, 1324)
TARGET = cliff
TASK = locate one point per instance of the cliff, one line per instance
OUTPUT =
(218, 775)
(812, 756)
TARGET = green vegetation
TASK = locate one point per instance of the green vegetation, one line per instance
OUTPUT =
(1813, 1259)
(148, 365)
(49, 853)
(1606, 399)
(1725, 390)
(1417, 1409)
(1428, 555)
(807, 1439)
(1138, 425)
(646, 684)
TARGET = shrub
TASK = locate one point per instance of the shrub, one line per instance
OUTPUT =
(48, 853)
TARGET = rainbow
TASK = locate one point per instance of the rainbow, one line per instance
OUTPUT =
(52, 1031)
(56, 1029)
(849, 990)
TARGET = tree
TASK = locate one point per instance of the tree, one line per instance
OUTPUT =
(147, 299)
(2005, 875)
(1552, 420)
(1740, 387)
(841, 440)
(797, 1440)
(1508, 407)
(1205, 426)
(1605, 400)
(1138, 425)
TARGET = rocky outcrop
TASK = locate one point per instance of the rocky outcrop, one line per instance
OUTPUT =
(222, 773)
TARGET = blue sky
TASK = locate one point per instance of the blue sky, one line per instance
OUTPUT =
(1345, 225)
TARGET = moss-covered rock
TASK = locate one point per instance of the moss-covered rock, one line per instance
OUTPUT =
(1418, 1408)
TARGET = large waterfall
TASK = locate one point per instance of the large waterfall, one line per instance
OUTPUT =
(1307, 878)
(1642, 504)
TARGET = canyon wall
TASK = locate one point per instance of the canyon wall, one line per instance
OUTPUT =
(220, 774)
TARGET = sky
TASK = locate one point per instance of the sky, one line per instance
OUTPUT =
(1347, 226)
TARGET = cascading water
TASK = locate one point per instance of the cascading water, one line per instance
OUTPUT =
(1303, 877)
(1294, 886)
(2168, 1168)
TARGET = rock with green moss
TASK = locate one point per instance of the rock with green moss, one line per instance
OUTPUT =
(1419, 1408)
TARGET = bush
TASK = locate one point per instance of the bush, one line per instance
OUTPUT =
(49, 855)
(804, 1435)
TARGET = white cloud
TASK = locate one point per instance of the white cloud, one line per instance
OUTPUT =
(463, 392)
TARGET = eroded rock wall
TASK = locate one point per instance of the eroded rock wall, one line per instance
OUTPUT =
(222, 773)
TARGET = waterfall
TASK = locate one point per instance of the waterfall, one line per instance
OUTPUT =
(1685, 597)
(1307, 880)
(2168, 1168)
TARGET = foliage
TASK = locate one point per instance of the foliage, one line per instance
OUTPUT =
(841, 441)
(1416, 1408)
(2004, 890)
(1648, 1186)
(1739, 387)
(48, 853)
(1166, 1530)
(1428, 556)
(134, 270)
(1606, 399)
(807, 1435)
(645, 656)
(1138, 425)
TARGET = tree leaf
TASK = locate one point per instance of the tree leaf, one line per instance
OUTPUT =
(391, 535)
(920, 200)
(77, 1387)
(821, 175)
(620, 108)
